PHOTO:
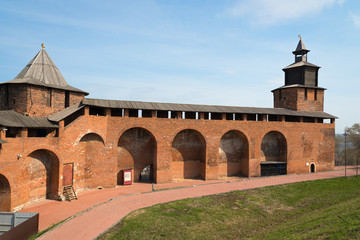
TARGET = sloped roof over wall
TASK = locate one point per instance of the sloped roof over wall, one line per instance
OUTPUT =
(10, 118)
(65, 113)
(200, 108)
(42, 71)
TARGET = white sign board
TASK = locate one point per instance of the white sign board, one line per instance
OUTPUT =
(127, 176)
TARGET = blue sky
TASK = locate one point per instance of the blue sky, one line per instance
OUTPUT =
(190, 51)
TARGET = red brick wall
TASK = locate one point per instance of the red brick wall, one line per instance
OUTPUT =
(38, 99)
(98, 164)
(76, 97)
(188, 155)
(43, 176)
(5, 193)
(294, 99)
(233, 154)
(35, 100)
(13, 97)
(136, 149)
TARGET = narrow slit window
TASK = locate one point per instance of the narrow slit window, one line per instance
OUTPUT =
(49, 100)
(67, 99)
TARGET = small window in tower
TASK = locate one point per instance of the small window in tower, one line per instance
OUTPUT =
(315, 95)
(305, 93)
(280, 94)
(49, 98)
(14, 101)
(67, 99)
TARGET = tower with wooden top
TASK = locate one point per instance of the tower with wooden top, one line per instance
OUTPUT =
(301, 91)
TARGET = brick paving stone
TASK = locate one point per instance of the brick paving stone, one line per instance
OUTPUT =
(108, 206)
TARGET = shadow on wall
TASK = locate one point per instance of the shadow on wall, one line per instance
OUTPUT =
(188, 155)
(137, 151)
(43, 169)
(233, 154)
(274, 147)
(5, 194)
(94, 148)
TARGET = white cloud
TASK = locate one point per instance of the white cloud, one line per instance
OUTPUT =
(276, 81)
(355, 19)
(268, 12)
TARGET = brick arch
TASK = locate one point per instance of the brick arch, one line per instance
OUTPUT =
(137, 150)
(93, 147)
(43, 173)
(130, 126)
(5, 194)
(92, 136)
(274, 147)
(177, 130)
(242, 131)
(233, 154)
(52, 149)
(188, 155)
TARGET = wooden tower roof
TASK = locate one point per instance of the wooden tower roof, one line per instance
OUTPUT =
(42, 71)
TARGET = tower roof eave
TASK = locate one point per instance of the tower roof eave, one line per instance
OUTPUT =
(36, 82)
(300, 64)
(298, 86)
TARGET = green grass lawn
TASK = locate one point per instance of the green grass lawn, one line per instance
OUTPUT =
(322, 209)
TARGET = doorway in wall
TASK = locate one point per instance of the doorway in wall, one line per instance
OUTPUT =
(312, 167)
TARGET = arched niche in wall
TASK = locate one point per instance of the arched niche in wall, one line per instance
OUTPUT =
(188, 155)
(43, 168)
(233, 154)
(137, 151)
(274, 147)
(273, 154)
(5, 194)
(93, 147)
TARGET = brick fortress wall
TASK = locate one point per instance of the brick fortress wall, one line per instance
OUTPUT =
(101, 146)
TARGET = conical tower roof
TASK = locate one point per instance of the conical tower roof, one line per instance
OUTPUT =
(301, 48)
(42, 71)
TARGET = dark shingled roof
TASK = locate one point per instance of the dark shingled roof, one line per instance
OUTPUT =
(10, 118)
(300, 64)
(200, 108)
(64, 113)
(301, 48)
(42, 71)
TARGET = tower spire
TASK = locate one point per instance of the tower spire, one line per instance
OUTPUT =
(300, 51)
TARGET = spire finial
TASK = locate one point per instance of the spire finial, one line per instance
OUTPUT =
(299, 36)
(43, 46)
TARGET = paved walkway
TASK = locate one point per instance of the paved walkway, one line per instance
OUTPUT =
(97, 210)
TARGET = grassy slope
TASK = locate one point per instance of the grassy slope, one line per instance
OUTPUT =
(323, 209)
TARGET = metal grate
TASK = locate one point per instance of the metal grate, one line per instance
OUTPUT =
(273, 169)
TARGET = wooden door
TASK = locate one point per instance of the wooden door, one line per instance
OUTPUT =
(68, 174)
